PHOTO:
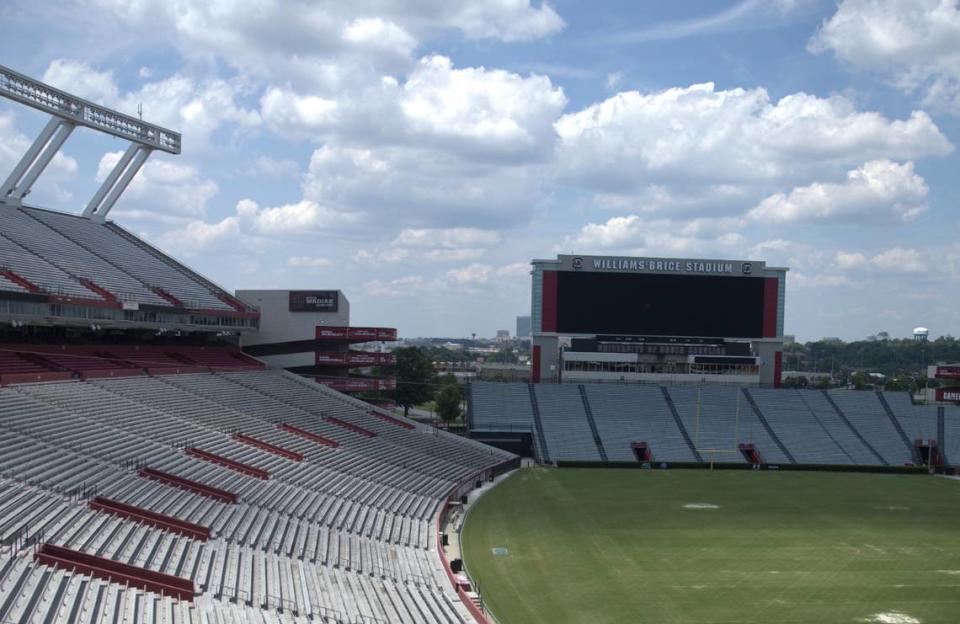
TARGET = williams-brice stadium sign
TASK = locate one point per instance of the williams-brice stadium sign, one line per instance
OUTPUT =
(682, 266)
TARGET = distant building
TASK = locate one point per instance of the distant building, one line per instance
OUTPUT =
(789, 339)
(523, 326)
(503, 335)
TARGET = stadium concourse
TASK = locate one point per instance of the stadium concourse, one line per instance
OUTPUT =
(685, 423)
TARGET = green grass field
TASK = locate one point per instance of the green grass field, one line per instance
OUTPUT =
(608, 545)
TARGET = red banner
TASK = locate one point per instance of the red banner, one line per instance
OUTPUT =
(349, 384)
(355, 358)
(947, 372)
(948, 394)
(357, 334)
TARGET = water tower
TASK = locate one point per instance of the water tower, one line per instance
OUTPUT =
(921, 334)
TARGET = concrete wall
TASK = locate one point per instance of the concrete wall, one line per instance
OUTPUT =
(279, 324)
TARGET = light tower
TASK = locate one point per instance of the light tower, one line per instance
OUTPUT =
(66, 113)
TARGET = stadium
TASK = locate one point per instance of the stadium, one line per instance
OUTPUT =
(653, 470)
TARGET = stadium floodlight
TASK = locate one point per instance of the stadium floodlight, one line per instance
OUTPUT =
(67, 112)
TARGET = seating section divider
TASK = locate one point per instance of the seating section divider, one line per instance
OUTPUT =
(187, 484)
(234, 465)
(110, 570)
(159, 520)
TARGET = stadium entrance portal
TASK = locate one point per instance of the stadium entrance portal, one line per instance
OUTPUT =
(642, 452)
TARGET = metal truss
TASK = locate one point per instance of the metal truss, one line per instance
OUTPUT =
(67, 112)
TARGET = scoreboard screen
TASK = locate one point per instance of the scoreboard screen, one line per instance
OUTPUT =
(654, 304)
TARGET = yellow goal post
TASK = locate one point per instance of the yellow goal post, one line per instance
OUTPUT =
(718, 454)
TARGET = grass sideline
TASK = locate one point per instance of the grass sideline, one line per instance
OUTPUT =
(596, 545)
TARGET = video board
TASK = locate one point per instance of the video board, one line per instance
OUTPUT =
(655, 304)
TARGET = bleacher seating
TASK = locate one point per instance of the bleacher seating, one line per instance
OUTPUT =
(39, 272)
(636, 413)
(89, 263)
(919, 422)
(720, 418)
(837, 427)
(866, 413)
(132, 257)
(89, 360)
(72, 259)
(502, 406)
(345, 535)
(810, 428)
(565, 424)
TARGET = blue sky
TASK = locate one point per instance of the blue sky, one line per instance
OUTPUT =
(417, 155)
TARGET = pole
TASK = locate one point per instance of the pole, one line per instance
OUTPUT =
(696, 432)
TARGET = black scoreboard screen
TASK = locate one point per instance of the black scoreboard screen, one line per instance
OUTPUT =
(654, 304)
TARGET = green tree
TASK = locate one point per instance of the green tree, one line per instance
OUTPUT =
(504, 356)
(861, 381)
(414, 378)
(448, 402)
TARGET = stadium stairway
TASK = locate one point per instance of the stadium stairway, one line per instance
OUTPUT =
(880, 460)
(766, 425)
(593, 425)
(897, 427)
(680, 425)
(540, 440)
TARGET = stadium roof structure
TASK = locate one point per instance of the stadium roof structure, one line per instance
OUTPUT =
(79, 270)
(66, 113)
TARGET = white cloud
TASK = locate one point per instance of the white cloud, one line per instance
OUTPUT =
(635, 235)
(509, 20)
(614, 80)
(879, 191)
(700, 136)
(82, 80)
(379, 36)
(744, 14)
(278, 168)
(300, 218)
(915, 44)
(480, 109)
(198, 237)
(476, 273)
(388, 255)
(432, 245)
(288, 40)
(817, 280)
(420, 187)
(472, 112)
(163, 187)
(408, 286)
(449, 238)
(308, 262)
(899, 260)
(453, 255)
(847, 260)
(252, 224)
(294, 115)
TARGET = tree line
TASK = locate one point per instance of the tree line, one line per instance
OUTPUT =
(902, 362)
